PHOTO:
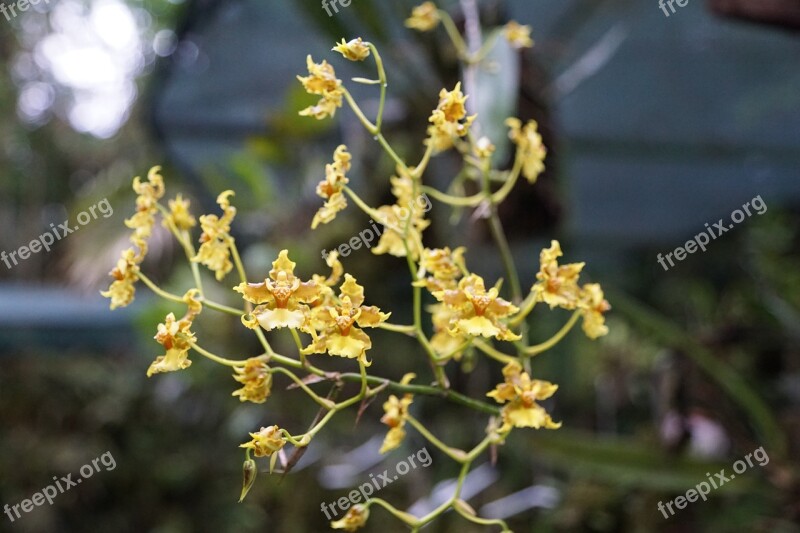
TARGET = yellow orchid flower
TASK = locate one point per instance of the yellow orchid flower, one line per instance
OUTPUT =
(280, 298)
(557, 285)
(476, 311)
(214, 250)
(176, 337)
(142, 222)
(322, 81)
(520, 393)
(257, 381)
(592, 305)
(424, 17)
(403, 222)
(517, 35)
(125, 274)
(354, 50)
(355, 519)
(446, 119)
(331, 187)
(265, 442)
(530, 147)
(335, 327)
(179, 215)
(396, 412)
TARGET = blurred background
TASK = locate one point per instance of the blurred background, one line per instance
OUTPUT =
(655, 124)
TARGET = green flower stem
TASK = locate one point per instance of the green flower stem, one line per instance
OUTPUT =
(394, 386)
(319, 425)
(408, 330)
(263, 340)
(360, 114)
(383, 82)
(453, 453)
(183, 237)
(473, 201)
(221, 308)
(482, 521)
(486, 47)
(455, 36)
(419, 170)
(191, 253)
(494, 353)
(216, 358)
(555, 339)
(325, 403)
(389, 150)
(502, 193)
(406, 518)
(438, 370)
(293, 441)
(160, 292)
(362, 376)
(237, 260)
(372, 213)
(526, 307)
(502, 243)
(435, 513)
(456, 201)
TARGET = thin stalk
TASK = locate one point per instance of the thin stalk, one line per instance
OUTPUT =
(384, 85)
(453, 453)
(408, 330)
(216, 358)
(555, 339)
(494, 353)
(160, 292)
(327, 404)
(360, 114)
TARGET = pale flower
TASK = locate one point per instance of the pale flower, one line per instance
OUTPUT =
(517, 35)
(281, 298)
(520, 393)
(322, 81)
(530, 149)
(354, 50)
(424, 17)
(214, 250)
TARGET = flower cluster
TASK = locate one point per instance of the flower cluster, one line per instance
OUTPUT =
(336, 324)
(123, 289)
(530, 149)
(557, 286)
(256, 380)
(322, 81)
(403, 222)
(332, 186)
(328, 314)
(176, 337)
(281, 298)
(215, 251)
(519, 393)
(449, 120)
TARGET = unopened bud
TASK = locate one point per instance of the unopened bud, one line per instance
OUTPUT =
(249, 473)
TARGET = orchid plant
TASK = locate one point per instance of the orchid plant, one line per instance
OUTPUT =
(328, 314)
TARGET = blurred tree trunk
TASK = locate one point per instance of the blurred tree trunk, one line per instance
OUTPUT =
(783, 13)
